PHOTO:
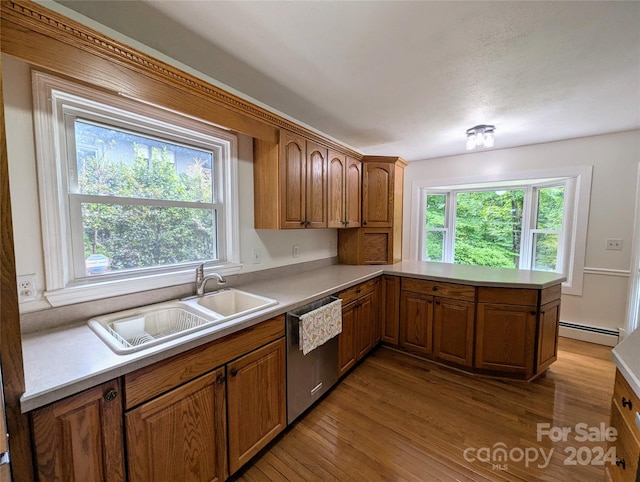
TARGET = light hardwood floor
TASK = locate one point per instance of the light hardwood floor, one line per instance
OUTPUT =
(396, 417)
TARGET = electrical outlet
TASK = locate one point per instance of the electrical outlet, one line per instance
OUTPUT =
(256, 257)
(296, 251)
(27, 289)
(614, 244)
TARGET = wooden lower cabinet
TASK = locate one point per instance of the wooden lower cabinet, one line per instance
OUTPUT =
(180, 435)
(256, 401)
(389, 309)
(453, 329)
(625, 407)
(80, 438)
(548, 328)
(416, 323)
(346, 339)
(360, 323)
(505, 338)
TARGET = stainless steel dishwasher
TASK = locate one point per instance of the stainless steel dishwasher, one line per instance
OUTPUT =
(308, 376)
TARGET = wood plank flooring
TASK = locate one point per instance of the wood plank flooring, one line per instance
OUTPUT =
(399, 418)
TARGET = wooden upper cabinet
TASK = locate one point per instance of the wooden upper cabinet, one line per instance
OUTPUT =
(293, 168)
(353, 193)
(344, 191)
(377, 199)
(290, 183)
(316, 186)
(79, 438)
(336, 197)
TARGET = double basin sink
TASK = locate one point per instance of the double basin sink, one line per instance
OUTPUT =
(139, 328)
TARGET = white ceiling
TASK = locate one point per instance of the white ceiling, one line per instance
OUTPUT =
(408, 78)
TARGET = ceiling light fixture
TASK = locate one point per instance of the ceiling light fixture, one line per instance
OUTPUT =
(481, 135)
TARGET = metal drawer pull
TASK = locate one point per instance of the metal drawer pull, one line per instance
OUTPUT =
(620, 463)
(627, 403)
(110, 395)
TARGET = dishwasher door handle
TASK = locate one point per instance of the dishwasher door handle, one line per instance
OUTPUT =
(316, 389)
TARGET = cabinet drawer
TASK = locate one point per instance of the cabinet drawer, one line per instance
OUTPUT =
(508, 296)
(355, 292)
(627, 449)
(628, 402)
(437, 288)
(160, 377)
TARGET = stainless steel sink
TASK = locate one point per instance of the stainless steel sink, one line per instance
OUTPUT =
(132, 330)
(230, 303)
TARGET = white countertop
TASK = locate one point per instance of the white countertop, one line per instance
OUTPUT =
(67, 360)
(626, 356)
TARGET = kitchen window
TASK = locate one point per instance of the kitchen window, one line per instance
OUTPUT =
(536, 223)
(133, 196)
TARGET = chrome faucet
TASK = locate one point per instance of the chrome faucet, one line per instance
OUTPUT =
(201, 279)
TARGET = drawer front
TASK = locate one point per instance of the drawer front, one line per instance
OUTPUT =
(437, 288)
(628, 402)
(355, 292)
(508, 296)
(160, 377)
(627, 449)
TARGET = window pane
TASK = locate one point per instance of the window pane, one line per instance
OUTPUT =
(545, 250)
(113, 162)
(435, 210)
(434, 246)
(550, 208)
(489, 228)
(118, 237)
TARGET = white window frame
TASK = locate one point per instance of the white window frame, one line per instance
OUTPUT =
(572, 242)
(56, 98)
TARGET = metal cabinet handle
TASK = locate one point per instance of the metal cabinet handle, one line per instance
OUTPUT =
(437, 302)
(533, 313)
(221, 379)
(111, 395)
(627, 403)
(621, 463)
(434, 288)
(234, 372)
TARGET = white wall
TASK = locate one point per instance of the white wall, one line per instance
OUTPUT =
(275, 246)
(614, 158)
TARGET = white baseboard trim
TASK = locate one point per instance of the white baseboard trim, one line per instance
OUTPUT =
(600, 336)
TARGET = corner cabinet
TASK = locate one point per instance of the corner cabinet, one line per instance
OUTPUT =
(80, 438)
(517, 330)
(379, 239)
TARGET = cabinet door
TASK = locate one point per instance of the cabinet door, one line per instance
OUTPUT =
(416, 322)
(336, 196)
(353, 193)
(256, 401)
(548, 335)
(390, 309)
(365, 322)
(505, 338)
(180, 435)
(377, 197)
(316, 189)
(292, 180)
(453, 323)
(346, 339)
(79, 439)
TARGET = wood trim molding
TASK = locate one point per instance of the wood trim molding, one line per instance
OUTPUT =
(10, 338)
(20, 17)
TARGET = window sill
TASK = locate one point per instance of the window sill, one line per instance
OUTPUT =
(107, 289)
